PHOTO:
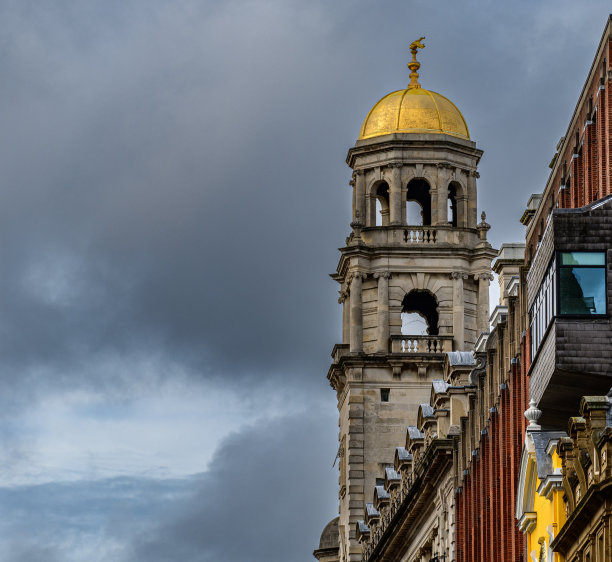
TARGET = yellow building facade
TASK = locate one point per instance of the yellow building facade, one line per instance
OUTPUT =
(540, 508)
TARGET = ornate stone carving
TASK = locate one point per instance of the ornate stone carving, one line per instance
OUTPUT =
(383, 274)
(483, 277)
(357, 275)
(474, 174)
(458, 275)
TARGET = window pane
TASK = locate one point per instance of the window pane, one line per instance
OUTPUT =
(583, 290)
(583, 258)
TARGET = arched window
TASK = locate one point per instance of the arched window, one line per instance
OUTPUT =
(381, 212)
(418, 201)
(419, 314)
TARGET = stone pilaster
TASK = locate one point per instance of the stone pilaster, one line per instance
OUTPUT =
(345, 301)
(458, 309)
(383, 311)
(472, 208)
(360, 198)
(441, 200)
(484, 280)
(395, 194)
(356, 336)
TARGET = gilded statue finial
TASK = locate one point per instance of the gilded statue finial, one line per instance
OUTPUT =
(414, 64)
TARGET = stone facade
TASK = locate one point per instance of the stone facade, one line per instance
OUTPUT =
(587, 483)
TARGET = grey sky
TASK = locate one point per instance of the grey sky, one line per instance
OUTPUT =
(174, 192)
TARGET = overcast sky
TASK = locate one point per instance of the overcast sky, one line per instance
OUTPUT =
(173, 195)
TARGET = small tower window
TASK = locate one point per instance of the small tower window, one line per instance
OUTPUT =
(384, 394)
(381, 205)
(418, 199)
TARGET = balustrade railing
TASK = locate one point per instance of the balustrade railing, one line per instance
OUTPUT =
(421, 344)
(420, 235)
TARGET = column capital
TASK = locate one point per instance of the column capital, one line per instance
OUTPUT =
(357, 174)
(357, 275)
(474, 174)
(382, 274)
(483, 277)
(458, 275)
(395, 165)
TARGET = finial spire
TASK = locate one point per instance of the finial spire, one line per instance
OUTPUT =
(533, 414)
(414, 64)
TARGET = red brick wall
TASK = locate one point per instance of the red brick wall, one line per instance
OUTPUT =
(590, 174)
(486, 528)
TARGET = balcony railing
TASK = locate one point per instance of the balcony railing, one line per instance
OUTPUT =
(410, 235)
(421, 344)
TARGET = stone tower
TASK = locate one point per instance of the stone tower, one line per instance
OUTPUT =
(414, 281)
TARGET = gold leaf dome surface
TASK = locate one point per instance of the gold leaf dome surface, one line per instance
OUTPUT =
(414, 110)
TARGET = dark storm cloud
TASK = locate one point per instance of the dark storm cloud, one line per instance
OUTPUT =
(83, 520)
(267, 489)
(273, 515)
(164, 187)
(174, 176)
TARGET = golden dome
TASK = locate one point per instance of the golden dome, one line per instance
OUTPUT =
(414, 110)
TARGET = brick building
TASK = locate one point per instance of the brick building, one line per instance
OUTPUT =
(568, 321)
(492, 433)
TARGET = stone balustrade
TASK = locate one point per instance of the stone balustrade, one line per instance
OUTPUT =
(416, 235)
(421, 344)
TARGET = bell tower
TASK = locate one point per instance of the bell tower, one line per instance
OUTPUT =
(414, 281)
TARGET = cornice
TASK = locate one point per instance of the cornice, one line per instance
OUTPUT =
(412, 141)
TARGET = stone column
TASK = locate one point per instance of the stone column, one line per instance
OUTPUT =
(484, 280)
(360, 198)
(356, 337)
(395, 194)
(472, 213)
(383, 311)
(345, 301)
(458, 310)
(442, 194)
(462, 211)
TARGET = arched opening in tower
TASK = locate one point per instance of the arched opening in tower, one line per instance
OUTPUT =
(452, 205)
(419, 314)
(418, 202)
(382, 204)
